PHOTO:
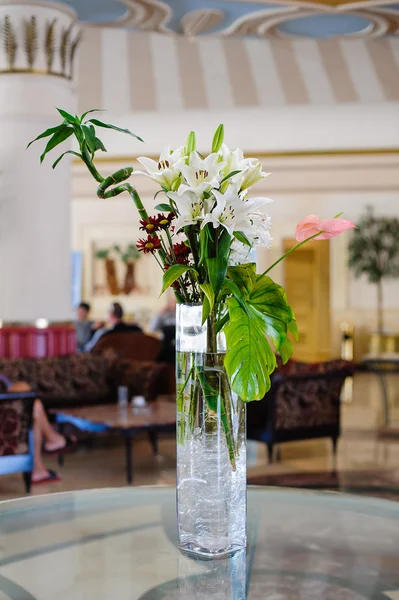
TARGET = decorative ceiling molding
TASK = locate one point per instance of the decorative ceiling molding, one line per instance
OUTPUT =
(315, 19)
(199, 21)
(146, 15)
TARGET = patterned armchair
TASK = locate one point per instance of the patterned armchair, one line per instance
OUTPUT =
(303, 403)
(16, 436)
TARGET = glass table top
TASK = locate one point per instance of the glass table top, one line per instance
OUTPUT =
(120, 544)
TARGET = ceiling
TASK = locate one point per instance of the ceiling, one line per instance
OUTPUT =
(311, 19)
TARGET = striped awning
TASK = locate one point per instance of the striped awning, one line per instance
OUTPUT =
(127, 71)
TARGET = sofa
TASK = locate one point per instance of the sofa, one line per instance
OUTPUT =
(302, 403)
(85, 379)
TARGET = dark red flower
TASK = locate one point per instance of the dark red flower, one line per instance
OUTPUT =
(164, 221)
(181, 252)
(149, 245)
(150, 226)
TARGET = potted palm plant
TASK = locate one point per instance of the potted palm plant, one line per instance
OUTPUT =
(374, 253)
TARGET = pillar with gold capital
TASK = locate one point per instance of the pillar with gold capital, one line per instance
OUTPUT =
(39, 42)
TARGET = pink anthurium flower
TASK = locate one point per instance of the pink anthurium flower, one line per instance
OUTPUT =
(327, 229)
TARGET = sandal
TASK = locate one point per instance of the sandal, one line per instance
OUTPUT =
(70, 444)
(52, 477)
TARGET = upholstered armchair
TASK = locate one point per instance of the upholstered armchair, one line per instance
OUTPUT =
(303, 403)
(16, 435)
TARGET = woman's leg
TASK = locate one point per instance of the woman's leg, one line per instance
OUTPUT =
(53, 439)
(42, 431)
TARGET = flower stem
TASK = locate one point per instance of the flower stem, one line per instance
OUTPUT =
(289, 252)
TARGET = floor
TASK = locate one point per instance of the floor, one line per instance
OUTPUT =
(369, 463)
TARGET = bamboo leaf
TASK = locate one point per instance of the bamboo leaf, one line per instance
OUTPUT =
(90, 111)
(99, 145)
(218, 138)
(90, 137)
(60, 136)
(68, 118)
(98, 123)
(173, 273)
(62, 156)
(46, 133)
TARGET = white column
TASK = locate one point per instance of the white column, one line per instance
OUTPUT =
(36, 76)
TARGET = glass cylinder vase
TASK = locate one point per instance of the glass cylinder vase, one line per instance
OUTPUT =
(211, 444)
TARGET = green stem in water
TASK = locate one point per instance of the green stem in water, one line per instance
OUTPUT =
(287, 253)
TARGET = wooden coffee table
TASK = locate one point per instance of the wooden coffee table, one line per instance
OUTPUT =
(157, 417)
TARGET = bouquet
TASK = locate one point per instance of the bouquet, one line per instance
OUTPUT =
(202, 235)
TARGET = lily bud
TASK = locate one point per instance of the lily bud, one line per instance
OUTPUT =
(218, 138)
(191, 143)
(253, 176)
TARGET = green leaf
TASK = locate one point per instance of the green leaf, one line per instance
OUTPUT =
(90, 111)
(286, 350)
(249, 359)
(241, 237)
(69, 118)
(217, 268)
(210, 297)
(98, 123)
(173, 273)
(229, 175)
(163, 207)
(46, 133)
(244, 276)
(211, 383)
(205, 240)
(224, 244)
(218, 138)
(59, 136)
(62, 156)
(293, 329)
(270, 299)
(206, 310)
(90, 137)
(99, 145)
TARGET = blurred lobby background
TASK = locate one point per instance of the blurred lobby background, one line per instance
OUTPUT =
(311, 89)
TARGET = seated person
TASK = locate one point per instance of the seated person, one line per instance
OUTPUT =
(115, 318)
(84, 327)
(165, 323)
(46, 439)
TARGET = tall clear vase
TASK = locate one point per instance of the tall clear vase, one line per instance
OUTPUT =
(211, 444)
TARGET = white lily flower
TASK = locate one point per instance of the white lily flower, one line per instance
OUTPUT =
(230, 211)
(253, 175)
(166, 171)
(201, 174)
(189, 208)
